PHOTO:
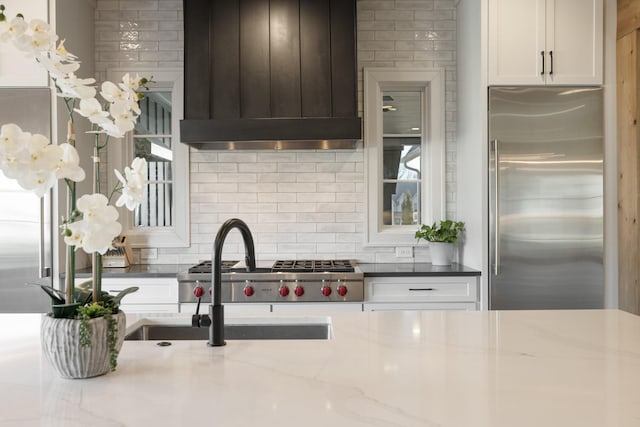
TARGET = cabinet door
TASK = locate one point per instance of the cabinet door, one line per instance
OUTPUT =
(16, 70)
(574, 42)
(516, 42)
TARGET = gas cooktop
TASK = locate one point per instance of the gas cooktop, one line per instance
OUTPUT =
(287, 266)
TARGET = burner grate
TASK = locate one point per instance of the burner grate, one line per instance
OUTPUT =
(313, 266)
(205, 266)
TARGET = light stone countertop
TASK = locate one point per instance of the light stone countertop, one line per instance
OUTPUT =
(515, 368)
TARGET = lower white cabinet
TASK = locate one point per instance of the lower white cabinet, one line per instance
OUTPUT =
(421, 293)
(155, 295)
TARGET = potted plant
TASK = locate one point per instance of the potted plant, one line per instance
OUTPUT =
(441, 239)
(83, 334)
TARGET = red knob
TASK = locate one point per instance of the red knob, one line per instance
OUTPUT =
(342, 290)
(299, 291)
(248, 290)
(198, 291)
(210, 291)
(326, 291)
(284, 291)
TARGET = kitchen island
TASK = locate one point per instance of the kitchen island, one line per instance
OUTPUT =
(515, 368)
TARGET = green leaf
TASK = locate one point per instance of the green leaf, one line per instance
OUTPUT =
(447, 231)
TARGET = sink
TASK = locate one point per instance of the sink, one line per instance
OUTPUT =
(242, 331)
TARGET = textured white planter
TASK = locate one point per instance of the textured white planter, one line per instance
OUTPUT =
(441, 253)
(61, 345)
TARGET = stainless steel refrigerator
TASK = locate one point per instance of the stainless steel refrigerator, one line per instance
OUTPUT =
(546, 198)
(25, 219)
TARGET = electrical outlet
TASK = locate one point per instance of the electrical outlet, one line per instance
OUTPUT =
(404, 251)
(151, 253)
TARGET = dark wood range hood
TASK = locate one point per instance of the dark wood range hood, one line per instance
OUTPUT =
(270, 74)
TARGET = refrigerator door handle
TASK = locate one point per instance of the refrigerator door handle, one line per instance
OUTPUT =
(45, 271)
(496, 207)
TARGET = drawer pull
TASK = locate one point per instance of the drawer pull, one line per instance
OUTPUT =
(421, 289)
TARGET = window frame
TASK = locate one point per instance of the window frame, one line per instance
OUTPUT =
(431, 82)
(121, 155)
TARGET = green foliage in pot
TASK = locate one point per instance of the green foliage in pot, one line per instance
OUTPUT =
(446, 232)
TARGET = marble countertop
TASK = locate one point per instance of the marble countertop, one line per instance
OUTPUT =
(415, 269)
(369, 270)
(514, 368)
(139, 270)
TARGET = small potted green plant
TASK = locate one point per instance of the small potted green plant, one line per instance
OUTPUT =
(441, 239)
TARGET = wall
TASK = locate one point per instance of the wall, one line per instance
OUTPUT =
(73, 21)
(299, 204)
(628, 85)
(471, 123)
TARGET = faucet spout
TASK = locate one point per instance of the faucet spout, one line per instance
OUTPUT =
(216, 309)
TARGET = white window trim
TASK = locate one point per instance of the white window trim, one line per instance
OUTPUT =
(120, 155)
(431, 82)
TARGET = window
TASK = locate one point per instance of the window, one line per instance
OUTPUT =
(162, 218)
(404, 143)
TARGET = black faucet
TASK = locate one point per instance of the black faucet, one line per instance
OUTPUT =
(216, 309)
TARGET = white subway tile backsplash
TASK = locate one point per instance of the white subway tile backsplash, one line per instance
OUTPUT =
(295, 227)
(257, 167)
(296, 207)
(316, 217)
(259, 187)
(277, 197)
(303, 203)
(276, 217)
(258, 207)
(278, 178)
(315, 197)
(308, 187)
(237, 177)
(315, 177)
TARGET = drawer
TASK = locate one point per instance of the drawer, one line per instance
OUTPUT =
(421, 289)
(152, 290)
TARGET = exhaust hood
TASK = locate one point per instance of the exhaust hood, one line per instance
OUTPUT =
(272, 74)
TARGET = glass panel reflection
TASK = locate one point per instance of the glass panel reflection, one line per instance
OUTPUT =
(401, 112)
(401, 203)
(401, 158)
(152, 140)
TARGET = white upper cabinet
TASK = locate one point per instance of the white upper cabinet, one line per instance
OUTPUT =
(16, 70)
(552, 42)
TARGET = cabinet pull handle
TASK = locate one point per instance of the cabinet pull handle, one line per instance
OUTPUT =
(496, 207)
(542, 55)
(422, 289)
(551, 56)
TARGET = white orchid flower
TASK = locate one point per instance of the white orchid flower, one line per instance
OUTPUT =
(133, 184)
(62, 52)
(112, 93)
(35, 43)
(98, 226)
(69, 164)
(131, 83)
(92, 110)
(123, 117)
(75, 87)
(12, 29)
(12, 138)
(99, 237)
(38, 26)
(10, 166)
(76, 234)
(40, 155)
(38, 181)
(58, 67)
